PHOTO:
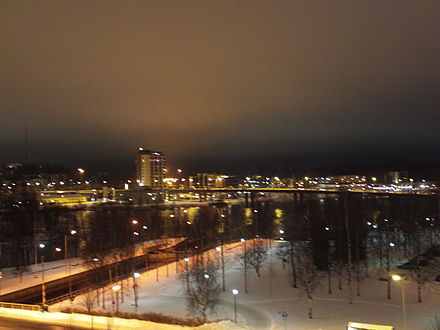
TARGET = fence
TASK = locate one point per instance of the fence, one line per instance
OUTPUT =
(20, 306)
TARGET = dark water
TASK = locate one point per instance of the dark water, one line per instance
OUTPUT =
(319, 218)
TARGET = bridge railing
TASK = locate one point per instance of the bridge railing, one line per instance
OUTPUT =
(20, 306)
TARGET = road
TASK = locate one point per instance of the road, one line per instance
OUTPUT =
(90, 278)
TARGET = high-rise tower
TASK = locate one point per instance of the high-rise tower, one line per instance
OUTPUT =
(151, 168)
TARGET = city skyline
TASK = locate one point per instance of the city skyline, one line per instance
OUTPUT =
(218, 86)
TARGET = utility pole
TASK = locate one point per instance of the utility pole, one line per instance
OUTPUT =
(43, 285)
(25, 146)
(35, 243)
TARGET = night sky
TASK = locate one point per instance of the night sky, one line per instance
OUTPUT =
(220, 85)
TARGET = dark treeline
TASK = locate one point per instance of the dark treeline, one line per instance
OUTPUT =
(331, 223)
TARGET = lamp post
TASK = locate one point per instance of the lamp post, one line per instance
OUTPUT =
(116, 289)
(186, 259)
(135, 276)
(399, 278)
(235, 293)
(67, 260)
(43, 285)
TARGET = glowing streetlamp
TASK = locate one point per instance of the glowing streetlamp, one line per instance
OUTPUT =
(235, 293)
(398, 278)
(186, 271)
(135, 276)
(116, 289)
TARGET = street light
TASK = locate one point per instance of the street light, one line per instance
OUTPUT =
(186, 259)
(67, 261)
(398, 278)
(116, 289)
(135, 276)
(235, 293)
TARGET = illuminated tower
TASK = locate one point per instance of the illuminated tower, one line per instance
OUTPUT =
(151, 166)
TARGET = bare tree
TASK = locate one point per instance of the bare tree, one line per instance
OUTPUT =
(283, 254)
(349, 257)
(420, 275)
(257, 255)
(203, 289)
(88, 301)
(307, 274)
(244, 259)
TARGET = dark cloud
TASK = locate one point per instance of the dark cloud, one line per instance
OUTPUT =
(213, 82)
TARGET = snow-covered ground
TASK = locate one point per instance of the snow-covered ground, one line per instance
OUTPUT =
(271, 294)
(11, 281)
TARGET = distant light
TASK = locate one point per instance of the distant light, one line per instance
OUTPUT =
(186, 259)
(179, 170)
(327, 228)
(281, 231)
(81, 170)
(136, 275)
(58, 249)
(95, 259)
(218, 248)
(396, 277)
(392, 244)
(234, 291)
(242, 240)
(116, 288)
(134, 222)
(374, 226)
(41, 245)
(144, 227)
(206, 275)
